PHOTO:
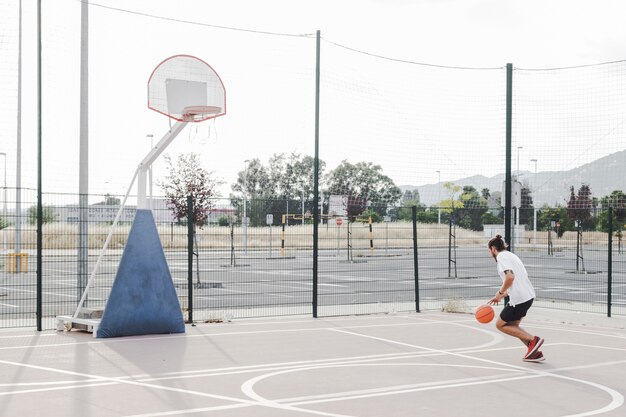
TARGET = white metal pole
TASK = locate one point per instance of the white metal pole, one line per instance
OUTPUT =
(535, 204)
(303, 204)
(439, 198)
(150, 158)
(106, 246)
(83, 164)
(150, 204)
(18, 162)
(338, 237)
(4, 203)
(386, 237)
(244, 219)
(321, 204)
(517, 178)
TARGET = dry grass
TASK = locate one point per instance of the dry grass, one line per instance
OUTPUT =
(455, 305)
(393, 235)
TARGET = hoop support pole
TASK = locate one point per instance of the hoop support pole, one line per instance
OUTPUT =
(142, 201)
(105, 247)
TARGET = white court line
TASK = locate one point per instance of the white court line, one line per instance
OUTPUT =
(418, 321)
(396, 389)
(191, 411)
(69, 387)
(239, 402)
(38, 384)
(248, 387)
(321, 284)
(585, 332)
(43, 292)
(121, 380)
(9, 305)
(22, 336)
(319, 363)
(223, 289)
(617, 399)
(363, 326)
(496, 338)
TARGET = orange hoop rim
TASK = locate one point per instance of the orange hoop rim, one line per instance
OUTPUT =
(191, 113)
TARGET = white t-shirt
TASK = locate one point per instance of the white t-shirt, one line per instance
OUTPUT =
(521, 290)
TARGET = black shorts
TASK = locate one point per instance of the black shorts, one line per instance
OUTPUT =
(510, 313)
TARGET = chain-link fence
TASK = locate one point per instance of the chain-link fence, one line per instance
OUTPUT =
(363, 266)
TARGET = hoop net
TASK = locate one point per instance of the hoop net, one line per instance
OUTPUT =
(186, 89)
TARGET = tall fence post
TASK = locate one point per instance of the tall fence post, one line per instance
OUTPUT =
(39, 308)
(190, 231)
(609, 269)
(415, 263)
(316, 165)
(509, 127)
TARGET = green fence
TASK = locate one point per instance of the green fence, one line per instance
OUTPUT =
(363, 266)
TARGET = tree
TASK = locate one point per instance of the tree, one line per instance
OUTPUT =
(109, 200)
(490, 218)
(429, 215)
(485, 193)
(188, 178)
(279, 187)
(365, 185)
(617, 201)
(47, 215)
(449, 206)
(255, 185)
(474, 206)
(526, 211)
(495, 211)
(579, 207)
(376, 217)
(556, 214)
(411, 198)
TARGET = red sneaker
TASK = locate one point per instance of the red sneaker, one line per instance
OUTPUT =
(533, 346)
(535, 357)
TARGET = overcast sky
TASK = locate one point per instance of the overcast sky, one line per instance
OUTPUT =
(128, 39)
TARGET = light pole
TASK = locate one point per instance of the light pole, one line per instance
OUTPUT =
(151, 137)
(439, 197)
(4, 201)
(244, 219)
(535, 204)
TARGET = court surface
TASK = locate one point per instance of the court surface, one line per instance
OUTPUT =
(417, 364)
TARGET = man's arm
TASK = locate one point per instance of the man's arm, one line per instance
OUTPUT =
(509, 277)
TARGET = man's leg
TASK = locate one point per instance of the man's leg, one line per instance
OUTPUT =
(512, 329)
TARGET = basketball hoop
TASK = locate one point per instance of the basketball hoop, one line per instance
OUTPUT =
(186, 89)
(199, 113)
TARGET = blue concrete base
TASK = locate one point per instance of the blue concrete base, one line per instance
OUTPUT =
(143, 299)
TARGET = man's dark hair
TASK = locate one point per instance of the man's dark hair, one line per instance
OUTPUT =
(498, 243)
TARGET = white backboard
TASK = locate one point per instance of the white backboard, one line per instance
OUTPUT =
(183, 93)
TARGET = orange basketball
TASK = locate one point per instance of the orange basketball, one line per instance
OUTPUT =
(484, 314)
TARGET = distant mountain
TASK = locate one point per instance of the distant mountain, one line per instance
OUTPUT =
(603, 176)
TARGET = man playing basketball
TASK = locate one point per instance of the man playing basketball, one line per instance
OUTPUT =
(520, 292)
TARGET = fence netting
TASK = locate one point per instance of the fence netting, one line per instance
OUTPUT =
(412, 158)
